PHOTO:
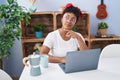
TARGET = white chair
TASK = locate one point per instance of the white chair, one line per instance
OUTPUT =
(112, 50)
(4, 75)
(110, 59)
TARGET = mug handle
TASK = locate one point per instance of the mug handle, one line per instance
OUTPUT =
(25, 59)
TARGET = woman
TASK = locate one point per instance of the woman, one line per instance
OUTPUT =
(62, 40)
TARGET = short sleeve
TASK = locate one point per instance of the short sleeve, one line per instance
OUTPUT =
(49, 40)
(81, 36)
(82, 39)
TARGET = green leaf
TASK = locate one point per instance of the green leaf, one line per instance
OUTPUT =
(102, 25)
(10, 1)
(74, 28)
(10, 16)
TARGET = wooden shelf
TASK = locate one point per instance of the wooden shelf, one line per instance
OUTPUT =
(52, 21)
(102, 42)
(114, 37)
(30, 40)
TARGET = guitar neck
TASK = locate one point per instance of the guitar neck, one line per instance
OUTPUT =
(102, 2)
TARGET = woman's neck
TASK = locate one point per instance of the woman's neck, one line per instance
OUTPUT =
(63, 33)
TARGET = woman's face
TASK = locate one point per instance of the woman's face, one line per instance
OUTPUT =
(68, 21)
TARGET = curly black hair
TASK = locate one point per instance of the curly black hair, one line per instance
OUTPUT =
(73, 10)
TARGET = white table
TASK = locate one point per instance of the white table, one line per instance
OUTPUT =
(54, 72)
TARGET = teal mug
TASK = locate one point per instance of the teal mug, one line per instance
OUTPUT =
(44, 61)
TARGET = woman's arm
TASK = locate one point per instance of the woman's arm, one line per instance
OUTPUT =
(52, 59)
(82, 44)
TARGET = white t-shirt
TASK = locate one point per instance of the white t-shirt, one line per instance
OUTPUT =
(58, 46)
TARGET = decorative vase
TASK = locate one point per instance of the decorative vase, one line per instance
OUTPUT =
(39, 34)
(32, 8)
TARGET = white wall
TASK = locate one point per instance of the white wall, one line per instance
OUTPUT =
(2, 1)
(89, 5)
(13, 65)
(15, 61)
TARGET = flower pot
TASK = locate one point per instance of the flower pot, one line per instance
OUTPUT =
(39, 34)
(103, 32)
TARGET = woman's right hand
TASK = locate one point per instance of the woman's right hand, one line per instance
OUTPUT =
(63, 60)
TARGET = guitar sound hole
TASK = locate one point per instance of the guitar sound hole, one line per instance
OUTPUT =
(101, 9)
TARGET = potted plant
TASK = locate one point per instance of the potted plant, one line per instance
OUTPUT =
(102, 28)
(74, 28)
(38, 28)
(10, 16)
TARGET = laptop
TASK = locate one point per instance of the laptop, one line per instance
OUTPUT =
(81, 60)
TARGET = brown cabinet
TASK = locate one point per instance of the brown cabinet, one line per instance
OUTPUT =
(52, 21)
(102, 42)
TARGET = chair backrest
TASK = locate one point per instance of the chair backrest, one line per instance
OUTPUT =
(112, 50)
(110, 59)
(4, 75)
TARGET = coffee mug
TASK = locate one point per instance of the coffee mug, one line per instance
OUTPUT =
(44, 61)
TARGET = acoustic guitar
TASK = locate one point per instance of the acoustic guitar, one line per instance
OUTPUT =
(101, 13)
